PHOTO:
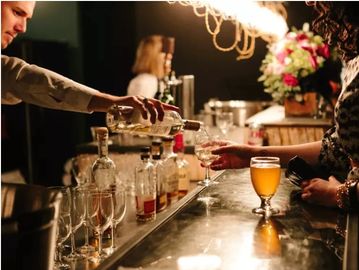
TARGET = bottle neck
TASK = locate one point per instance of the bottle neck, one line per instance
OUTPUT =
(167, 148)
(102, 147)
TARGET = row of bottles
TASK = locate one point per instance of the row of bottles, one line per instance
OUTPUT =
(160, 180)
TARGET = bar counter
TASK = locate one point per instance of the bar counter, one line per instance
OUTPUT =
(301, 236)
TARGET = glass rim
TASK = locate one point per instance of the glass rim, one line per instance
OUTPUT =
(265, 158)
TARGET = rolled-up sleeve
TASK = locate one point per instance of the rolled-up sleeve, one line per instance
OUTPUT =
(21, 81)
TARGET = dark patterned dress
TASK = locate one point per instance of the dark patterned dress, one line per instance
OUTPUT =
(341, 142)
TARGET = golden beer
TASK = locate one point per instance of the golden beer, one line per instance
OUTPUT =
(265, 178)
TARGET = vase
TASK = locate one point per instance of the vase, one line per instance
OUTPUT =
(307, 108)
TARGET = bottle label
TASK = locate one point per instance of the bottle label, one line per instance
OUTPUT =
(183, 179)
(145, 205)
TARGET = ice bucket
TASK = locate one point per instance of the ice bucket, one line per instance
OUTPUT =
(29, 216)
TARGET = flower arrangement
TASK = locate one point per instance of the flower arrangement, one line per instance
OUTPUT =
(299, 54)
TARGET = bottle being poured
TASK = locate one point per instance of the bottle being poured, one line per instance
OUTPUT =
(124, 119)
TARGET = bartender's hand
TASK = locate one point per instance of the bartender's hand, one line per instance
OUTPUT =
(233, 156)
(101, 102)
(320, 191)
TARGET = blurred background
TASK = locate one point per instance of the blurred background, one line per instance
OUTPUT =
(94, 43)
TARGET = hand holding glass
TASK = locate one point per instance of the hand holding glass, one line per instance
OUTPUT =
(265, 176)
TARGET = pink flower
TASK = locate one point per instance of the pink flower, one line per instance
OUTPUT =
(324, 51)
(281, 56)
(290, 80)
(313, 61)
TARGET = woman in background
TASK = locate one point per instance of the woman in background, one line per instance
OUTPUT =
(153, 62)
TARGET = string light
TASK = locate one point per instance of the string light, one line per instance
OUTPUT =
(249, 19)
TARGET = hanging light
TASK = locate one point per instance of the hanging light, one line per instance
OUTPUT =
(249, 19)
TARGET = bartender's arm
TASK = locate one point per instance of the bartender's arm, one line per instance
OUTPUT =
(39, 86)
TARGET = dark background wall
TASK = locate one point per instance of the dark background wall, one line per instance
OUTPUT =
(94, 43)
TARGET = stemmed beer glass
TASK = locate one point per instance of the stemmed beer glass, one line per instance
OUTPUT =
(265, 176)
(204, 144)
(100, 214)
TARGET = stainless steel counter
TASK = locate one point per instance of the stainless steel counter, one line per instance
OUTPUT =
(302, 236)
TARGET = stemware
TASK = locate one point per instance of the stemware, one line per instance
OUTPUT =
(204, 144)
(119, 209)
(265, 176)
(78, 212)
(63, 226)
(224, 122)
(100, 214)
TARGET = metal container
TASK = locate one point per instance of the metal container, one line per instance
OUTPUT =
(29, 216)
(183, 93)
(242, 109)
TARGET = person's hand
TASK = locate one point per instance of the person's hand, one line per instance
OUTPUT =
(155, 107)
(232, 156)
(320, 191)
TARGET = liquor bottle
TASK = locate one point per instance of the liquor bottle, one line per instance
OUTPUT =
(132, 122)
(159, 92)
(183, 167)
(161, 196)
(145, 188)
(103, 170)
(167, 96)
(103, 174)
(170, 167)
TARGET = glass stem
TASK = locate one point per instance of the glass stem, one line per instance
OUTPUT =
(72, 243)
(86, 235)
(100, 243)
(113, 235)
(207, 177)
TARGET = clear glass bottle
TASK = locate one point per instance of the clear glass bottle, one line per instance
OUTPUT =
(145, 188)
(103, 170)
(161, 195)
(183, 167)
(119, 120)
(170, 167)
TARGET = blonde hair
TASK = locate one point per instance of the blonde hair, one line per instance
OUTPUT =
(149, 58)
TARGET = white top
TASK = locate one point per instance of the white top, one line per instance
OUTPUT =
(144, 84)
(21, 81)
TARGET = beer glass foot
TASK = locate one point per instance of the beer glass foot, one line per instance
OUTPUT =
(267, 212)
(207, 183)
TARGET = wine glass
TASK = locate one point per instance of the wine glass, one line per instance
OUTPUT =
(204, 144)
(265, 176)
(78, 213)
(100, 214)
(224, 121)
(119, 210)
(87, 248)
(63, 226)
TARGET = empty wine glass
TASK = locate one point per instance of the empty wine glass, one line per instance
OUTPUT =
(63, 226)
(119, 210)
(100, 214)
(224, 121)
(265, 176)
(78, 212)
(87, 248)
(204, 144)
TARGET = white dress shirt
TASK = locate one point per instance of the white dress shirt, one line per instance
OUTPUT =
(21, 81)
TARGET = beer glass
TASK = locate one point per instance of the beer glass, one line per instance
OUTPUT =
(265, 176)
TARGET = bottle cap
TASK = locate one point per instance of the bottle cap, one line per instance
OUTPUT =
(145, 149)
(167, 139)
(192, 125)
(102, 132)
(145, 152)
